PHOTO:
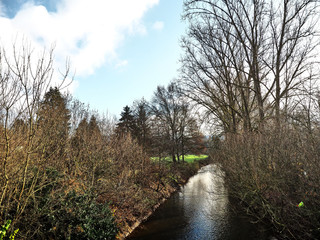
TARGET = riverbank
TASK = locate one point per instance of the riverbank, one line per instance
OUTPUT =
(170, 178)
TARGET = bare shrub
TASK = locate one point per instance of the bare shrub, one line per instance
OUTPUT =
(270, 174)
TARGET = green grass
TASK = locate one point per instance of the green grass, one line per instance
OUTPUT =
(187, 158)
(193, 158)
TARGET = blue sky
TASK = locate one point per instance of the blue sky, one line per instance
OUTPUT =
(120, 49)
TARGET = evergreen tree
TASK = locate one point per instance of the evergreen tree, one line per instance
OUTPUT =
(80, 139)
(53, 123)
(142, 132)
(93, 127)
(127, 122)
(87, 138)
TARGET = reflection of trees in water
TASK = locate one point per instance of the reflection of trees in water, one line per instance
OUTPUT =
(206, 195)
(198, 211)
(216, 195)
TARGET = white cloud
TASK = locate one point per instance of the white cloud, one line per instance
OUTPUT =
(87, 31)
(158, 25)
(121, 64)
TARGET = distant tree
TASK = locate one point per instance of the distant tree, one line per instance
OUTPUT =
(88, 148)
(86, 139)
(142, 127)
(189, 138)
(126, 123)
(18, 130)
(166, 109)
(54, 124)
(79, 140)
(160, 133)
(194, 140)
(19, 126)
(172, 116)
(93, 126)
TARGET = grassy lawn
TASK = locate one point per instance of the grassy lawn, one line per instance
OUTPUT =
(192, 158)
(187, 158)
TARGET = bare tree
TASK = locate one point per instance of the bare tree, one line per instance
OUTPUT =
(166, 109)
(24, 79)
(242, 58)
(173, 115)
(222, 69)
(293, 41)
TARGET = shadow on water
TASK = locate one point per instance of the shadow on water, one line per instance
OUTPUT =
(200, 210)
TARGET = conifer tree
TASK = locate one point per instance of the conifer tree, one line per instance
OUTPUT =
(127, 124)
(141, 115)
(53, 124)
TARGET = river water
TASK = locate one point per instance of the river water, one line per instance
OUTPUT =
(200, 210)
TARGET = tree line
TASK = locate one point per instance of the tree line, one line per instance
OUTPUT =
(165, 126)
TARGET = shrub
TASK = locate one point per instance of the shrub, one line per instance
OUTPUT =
(270, 174)
(4, 229)
(56, 212)
(81, 217)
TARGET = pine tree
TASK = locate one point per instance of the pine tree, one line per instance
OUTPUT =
(127, 124)
(142, 131)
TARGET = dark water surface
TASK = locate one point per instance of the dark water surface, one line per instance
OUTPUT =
(200, 210)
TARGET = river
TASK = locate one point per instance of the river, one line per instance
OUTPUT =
(200, 210)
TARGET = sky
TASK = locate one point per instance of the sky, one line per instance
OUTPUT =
(120, 50)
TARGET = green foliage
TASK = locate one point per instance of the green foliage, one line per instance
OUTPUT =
(80, 217)
(98, 222)
(60, 214)
(127, 122)
(4, 230)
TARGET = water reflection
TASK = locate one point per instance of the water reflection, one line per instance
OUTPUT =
(199, 211)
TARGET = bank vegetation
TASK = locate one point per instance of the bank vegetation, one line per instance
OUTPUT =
(252, 68)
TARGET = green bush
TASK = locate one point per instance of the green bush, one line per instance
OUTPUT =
(55, 212)
(81, 217)
(4, 229)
